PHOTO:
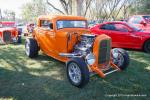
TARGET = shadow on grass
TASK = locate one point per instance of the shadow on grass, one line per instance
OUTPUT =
(17, 59)
(44, 78)
(24, 86)
(134, 80)
(17, 79)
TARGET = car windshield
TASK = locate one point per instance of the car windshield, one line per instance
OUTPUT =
(134, 27)
(71, 24)
(147, 18)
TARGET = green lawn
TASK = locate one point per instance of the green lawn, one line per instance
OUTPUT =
(44, 78)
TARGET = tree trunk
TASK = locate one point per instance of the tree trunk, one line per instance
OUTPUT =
(79, 7)
(0, 15)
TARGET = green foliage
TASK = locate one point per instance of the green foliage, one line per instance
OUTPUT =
(31, 10)
(141, 7)
(9, 15)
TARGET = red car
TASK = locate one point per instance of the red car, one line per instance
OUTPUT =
(124, 35)
(8, 32)
(141, 21)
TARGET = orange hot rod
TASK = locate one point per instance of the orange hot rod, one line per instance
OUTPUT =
(9, 33)
(67, 39)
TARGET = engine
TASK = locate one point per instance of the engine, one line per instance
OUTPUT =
(84, 47)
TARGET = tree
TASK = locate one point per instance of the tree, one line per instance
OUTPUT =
(0, 15)
(71, 7)
(109, 9)
(31, 10)
(9, 15)
(140, 7)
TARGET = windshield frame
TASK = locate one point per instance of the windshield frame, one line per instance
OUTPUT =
(134, 27)
(86, 26)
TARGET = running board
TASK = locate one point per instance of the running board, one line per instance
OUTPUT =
(111, 72)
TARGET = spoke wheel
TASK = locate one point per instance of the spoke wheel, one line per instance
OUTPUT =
(77, 72)
(120, 58)
(74, 72)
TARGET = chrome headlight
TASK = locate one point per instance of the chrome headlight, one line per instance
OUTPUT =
(90, 58)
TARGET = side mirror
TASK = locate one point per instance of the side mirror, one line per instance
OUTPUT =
(51, 25)
(143, 23)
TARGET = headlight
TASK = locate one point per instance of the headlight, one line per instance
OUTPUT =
(90, 58)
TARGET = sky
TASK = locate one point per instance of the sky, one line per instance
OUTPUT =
(14, 5)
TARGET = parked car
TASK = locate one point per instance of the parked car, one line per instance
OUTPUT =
(29, 29)
(20, 27)
(91, 23)
(67, 39)
(124, 35)
(141, 21)
(9, 33)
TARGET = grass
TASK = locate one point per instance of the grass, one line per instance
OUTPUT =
(44, 78)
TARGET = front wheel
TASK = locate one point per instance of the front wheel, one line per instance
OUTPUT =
(120, 58)
(77, 72)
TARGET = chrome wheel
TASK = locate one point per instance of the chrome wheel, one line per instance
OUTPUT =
(118, 58)
(74, 73)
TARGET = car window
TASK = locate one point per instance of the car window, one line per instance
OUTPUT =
(71, 24)
(121, 28)
(108, 27)
(45, 24)
(147, 18)
(134, 27)
(136, 20)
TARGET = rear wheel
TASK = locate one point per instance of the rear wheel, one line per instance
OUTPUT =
(77, 72)
(120, 58)
(147, 46)
(31, 47)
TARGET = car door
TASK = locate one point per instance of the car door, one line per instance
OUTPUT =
(46, 36)
(118, 38)
(123, 36)
(120, 35)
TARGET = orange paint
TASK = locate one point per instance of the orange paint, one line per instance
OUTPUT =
(55, 41)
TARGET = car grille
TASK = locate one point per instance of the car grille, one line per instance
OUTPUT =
(7, 36)
(104, 51)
